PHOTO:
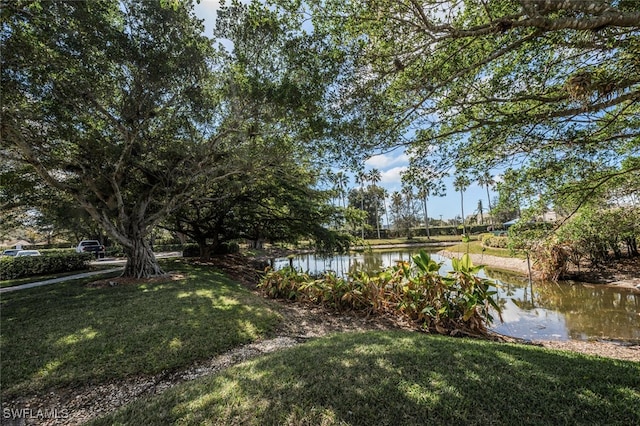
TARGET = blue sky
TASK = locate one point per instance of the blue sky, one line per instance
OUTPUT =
(391, 165)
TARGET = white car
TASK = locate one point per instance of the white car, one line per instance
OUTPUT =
(91, 246)
(10, 252)
(23, 253)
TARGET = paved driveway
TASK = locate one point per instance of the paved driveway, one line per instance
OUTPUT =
(108, 261)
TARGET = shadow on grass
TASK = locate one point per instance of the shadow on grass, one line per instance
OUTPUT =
(69, 334)
(398, 378)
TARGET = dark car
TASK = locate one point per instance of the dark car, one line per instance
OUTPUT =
(91, 246)
(10, 252)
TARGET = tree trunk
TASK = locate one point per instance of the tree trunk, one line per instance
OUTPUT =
(362, 208)
(464, 228)
(377, 218)
(205, 250)
(426, 219)
(489, 200)
(141, 262)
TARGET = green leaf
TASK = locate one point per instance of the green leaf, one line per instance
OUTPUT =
(466, 262)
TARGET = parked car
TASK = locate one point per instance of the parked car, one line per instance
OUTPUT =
(91, 246)
(23, 253)
(10, 252)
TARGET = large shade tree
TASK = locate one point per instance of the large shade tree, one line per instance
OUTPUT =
(275, 199)
(547, 87)
(110, 102)
(267, 187)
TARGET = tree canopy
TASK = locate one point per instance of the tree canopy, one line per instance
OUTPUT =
(111, 103)
(128, 110)
(547, 87)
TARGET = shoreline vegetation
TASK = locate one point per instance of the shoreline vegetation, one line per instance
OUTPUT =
(629, 278)
(622, 274)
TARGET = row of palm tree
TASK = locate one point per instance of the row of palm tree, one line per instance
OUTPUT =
(425, 189)
(340, 182)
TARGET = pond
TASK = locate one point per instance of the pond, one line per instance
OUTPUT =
(541, 311)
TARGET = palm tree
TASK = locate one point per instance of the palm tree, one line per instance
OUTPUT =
(361, 178)
(486, 180)
(480, 208)
(407, 191)
(396, 209)
(331, 177)
(342, 180)
(424, 195)
(374, 176)
(385, 195)
(461, 183)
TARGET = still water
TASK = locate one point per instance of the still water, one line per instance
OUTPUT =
(541, 311)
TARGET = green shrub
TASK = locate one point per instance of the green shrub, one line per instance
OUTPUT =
(191, 250)
(489, 240)
(114, 250)
(458, 303)
(57, 251)
(167, 247)
(230, 247)
(19, 267)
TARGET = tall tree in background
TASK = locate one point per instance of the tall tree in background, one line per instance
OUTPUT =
(508, 205)
(403, 210)
(374, 176)
(479, 209)
(485, 180)
(361, 179)
(369, 201)
(342, 180)
(339, 181)
(385, 194)
(110, 103)
(429, 183)
(460, 184)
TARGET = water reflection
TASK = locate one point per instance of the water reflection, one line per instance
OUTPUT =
(544, 310)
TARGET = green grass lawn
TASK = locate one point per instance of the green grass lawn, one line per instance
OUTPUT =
(68, 334)
(416, 240)
(476, 247)
(403, 378)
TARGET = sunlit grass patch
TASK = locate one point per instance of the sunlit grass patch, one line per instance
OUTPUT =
(406, 379)
(68, 333)
(475, 247)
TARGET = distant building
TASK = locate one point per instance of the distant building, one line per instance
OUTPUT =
(547, 217)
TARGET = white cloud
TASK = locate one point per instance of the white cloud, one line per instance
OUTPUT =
(385, 161)
(391, 178)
